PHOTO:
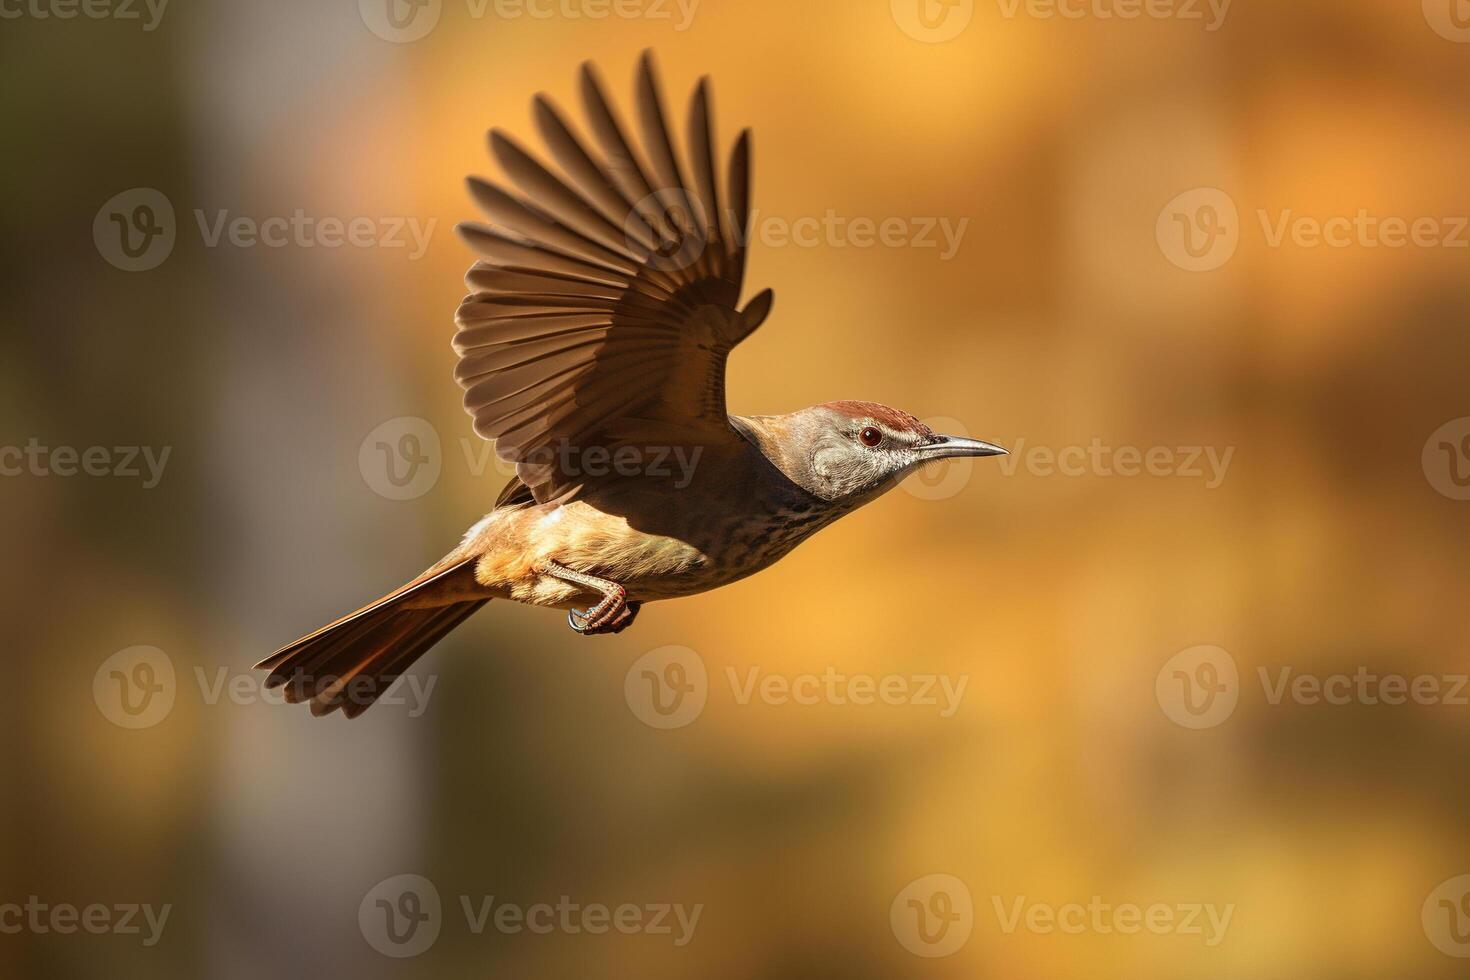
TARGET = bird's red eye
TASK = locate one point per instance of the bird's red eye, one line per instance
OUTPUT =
(870, 436)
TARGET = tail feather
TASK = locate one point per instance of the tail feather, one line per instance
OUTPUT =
(349, 663)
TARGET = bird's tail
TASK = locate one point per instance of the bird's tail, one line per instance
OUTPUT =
(348, 664)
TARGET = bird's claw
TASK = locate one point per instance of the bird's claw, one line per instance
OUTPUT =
(611, 616)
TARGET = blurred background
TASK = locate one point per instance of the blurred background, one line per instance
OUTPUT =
(1240, 467)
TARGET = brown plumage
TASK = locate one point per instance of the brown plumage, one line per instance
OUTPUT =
(592, 350)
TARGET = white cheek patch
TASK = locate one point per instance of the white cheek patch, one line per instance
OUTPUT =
(826, 461)
(845, 470)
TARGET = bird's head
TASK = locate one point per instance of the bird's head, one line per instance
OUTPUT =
(852, 452)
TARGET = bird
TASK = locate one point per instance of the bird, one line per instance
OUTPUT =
(592, 347)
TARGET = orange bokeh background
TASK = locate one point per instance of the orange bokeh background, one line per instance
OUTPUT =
(1061, 320)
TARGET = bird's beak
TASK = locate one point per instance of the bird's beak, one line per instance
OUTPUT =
(946, 447)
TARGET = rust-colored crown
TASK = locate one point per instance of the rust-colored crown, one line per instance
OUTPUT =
(891, 417)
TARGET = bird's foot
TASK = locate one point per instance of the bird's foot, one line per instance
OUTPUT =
(613, 614)
(592, 622)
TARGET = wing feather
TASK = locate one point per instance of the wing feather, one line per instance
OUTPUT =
(604, 305)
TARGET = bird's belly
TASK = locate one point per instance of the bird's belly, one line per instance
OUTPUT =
(649, 565)
(581, 537)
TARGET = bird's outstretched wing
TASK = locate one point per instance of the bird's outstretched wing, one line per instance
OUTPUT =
(605, 303)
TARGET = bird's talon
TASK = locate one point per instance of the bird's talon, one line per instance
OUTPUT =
(572, 616)
(612, 615)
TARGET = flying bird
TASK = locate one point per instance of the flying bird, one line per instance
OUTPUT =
(592, 349)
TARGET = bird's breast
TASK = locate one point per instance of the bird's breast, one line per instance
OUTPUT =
(651, 558)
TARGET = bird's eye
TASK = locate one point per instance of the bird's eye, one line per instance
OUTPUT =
(870, 436)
